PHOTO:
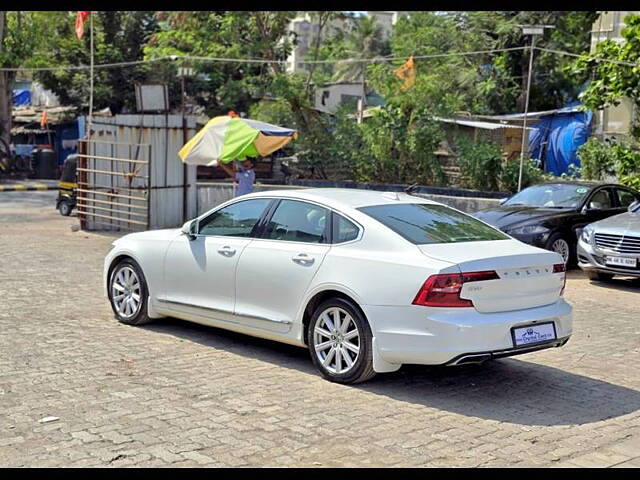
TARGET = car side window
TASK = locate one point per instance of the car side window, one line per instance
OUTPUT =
(343, 229)
(298, 222)
(626, 197)
(601, 200)
(235, 220)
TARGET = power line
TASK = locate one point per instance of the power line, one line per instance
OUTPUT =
(177, 58)
(606, 60)
(81, 67)
(415, 57)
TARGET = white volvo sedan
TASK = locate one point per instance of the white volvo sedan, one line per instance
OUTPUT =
(366, 280)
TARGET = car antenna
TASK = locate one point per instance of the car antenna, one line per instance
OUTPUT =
(410, 190)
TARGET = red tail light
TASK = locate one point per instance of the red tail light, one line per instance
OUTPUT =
(559, 268)
(443, 290)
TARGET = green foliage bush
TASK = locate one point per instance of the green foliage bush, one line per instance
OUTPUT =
(597, 159)
(480, 163)
(398, 147)
(627, 158)
(531, 175)
(602, 158)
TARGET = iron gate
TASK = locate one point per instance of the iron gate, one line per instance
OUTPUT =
(113, 185)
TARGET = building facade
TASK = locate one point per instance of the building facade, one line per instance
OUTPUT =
(306, 32)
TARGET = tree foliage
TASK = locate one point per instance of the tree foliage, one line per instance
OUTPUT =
(223, 86)
(118, 37)
(612, 81)
(21, 34)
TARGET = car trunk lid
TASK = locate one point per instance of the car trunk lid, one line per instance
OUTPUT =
(526, 273)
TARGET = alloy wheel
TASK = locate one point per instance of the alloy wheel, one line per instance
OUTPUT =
(126, 292)
(562, 247)
(336, 340)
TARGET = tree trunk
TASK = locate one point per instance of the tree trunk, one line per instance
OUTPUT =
(6, 88)
(6, 104)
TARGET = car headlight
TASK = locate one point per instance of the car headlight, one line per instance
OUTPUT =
(587, 234)
(527, 230)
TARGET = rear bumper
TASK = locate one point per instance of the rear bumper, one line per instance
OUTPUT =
(481, 357)
(590, 260)
(440, 336)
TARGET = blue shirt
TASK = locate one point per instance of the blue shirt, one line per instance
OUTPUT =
(245, 181)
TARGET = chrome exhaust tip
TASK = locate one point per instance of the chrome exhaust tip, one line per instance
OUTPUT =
(476, 358)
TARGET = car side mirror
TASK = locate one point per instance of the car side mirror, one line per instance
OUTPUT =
(584, 210)
(190, 229)
(633, 206)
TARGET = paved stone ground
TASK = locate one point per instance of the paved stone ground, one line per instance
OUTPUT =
(173, 393)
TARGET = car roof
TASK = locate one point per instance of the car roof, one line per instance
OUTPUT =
(345, 197)
(584, 183)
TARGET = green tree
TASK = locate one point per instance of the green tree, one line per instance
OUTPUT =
(614, 71)
(21, 33)
(490, 83)
(225, 85)
(119, 36)
(364, 41)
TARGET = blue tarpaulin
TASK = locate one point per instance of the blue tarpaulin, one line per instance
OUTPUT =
(557, 137)
(22, 97)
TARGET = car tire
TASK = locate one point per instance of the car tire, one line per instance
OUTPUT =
(558, 241)
(599, 276)
(127, 279)
(341, 341)
(65, 208)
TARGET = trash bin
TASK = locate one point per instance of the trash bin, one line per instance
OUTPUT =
(46, 164)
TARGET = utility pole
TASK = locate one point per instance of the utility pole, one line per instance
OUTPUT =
(533, 31)
(183, 73)
(90, 122)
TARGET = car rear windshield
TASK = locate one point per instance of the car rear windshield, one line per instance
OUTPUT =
(423, 223)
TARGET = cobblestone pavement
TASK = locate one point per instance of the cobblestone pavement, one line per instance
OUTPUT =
(174, 393)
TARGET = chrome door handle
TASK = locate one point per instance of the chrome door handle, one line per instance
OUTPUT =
(303, 259)
(227, 251)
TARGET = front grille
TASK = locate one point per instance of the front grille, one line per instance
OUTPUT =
(618, 243)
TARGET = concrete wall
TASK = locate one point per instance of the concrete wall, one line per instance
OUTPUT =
(214, 193)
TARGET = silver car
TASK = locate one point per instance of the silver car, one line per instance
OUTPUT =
(611, 246)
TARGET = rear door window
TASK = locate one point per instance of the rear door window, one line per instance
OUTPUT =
(601, 200)
(423, 223)
(298, 222)
(625, 197)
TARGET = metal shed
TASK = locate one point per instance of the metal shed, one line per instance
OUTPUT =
(130, 176)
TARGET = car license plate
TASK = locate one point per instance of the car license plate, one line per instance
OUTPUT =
(532, 334)
(621, 261)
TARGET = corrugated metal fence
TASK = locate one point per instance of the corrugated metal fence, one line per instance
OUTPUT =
(171, 185)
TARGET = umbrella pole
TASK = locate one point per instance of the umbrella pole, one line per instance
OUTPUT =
(234, 178)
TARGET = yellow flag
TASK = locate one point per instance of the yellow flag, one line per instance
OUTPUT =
(407, 72)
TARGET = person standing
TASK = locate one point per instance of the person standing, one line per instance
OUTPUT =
(245, 177)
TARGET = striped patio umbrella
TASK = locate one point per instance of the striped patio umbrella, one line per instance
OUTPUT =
(225, 139)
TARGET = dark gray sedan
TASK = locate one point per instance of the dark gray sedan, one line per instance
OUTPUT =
(611, 246)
